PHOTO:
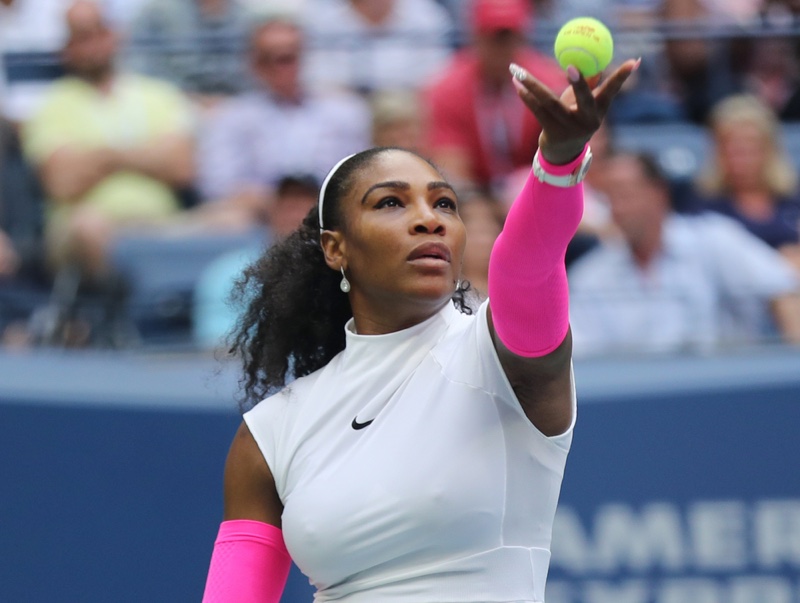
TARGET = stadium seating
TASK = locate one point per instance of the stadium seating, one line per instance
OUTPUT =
(161, 275)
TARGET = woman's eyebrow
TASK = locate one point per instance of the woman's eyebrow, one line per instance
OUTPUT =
(395, 184)
(440, 184)
(401, 185)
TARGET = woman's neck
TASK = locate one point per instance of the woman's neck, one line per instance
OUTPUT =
(391, 318)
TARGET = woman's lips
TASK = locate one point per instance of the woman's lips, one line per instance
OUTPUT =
(433, 253)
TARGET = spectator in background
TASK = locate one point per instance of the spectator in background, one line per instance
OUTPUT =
(368, 45)
(195, 44)
(397, 120)
(282, 127)
(483, 219)
(706, 68)
(772, 73)
(750, 177)
(213, 315)
(111, 148)
(121, 13)
(20, 211)
(479, 133)
(23, 284)
(672, 282)
(596, 218)
(297, 8)
(9, 258)
(29, 26)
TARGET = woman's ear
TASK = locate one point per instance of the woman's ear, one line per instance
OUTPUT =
(333, 247)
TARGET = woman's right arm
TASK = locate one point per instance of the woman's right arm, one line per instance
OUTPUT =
(250, 491)
(250, 562)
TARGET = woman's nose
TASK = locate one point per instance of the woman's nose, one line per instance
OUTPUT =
(427, 220)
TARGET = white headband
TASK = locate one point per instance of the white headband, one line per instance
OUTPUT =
(325, 186)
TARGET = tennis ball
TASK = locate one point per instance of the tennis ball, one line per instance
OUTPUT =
(585, 43)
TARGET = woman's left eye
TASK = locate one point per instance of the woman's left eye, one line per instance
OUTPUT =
(388, 202)
(447, 203)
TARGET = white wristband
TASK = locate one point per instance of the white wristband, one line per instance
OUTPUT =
(564, 180)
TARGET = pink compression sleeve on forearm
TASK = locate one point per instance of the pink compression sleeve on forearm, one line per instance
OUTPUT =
(250, 564)
(528, 290)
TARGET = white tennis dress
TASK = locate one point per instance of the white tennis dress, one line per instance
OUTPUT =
(409, 472)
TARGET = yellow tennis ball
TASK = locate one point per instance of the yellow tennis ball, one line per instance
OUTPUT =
(585, 43)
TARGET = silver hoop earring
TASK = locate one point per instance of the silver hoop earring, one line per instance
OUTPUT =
(345, 284)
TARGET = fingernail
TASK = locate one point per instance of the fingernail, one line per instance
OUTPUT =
(572, 74)
(636, 64)
(518, 85)
(518, 72)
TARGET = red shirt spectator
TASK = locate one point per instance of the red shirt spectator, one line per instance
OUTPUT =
(473, 111)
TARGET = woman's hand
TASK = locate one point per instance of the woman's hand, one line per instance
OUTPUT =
(570, 121)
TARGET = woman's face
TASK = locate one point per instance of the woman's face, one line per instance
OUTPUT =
(403, 240)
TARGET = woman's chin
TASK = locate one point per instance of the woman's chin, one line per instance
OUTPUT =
(435, 292)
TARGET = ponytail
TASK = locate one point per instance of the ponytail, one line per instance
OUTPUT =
(295, 313)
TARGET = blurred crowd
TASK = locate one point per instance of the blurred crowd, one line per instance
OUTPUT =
(189, 130)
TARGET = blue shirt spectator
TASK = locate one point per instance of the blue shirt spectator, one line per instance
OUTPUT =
(282, 127)
(673, 283)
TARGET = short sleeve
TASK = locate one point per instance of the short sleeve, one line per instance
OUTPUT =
(272, 421)
(265, 422)
(472, 359)
(502, 386)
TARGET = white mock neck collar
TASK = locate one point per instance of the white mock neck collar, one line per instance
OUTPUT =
(372, 367)
(375, 349)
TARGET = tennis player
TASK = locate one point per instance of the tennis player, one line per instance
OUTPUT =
(418, 455)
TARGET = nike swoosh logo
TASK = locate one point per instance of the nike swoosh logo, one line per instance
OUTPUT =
(356, 425)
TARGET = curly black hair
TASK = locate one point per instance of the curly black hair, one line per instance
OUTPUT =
(295, 312)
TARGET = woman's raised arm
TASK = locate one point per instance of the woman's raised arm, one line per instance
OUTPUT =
(528, 293)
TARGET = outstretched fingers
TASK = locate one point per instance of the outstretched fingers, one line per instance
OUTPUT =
(577, 100)
(538, 97)
(606, 92)
(584, 99)
(570, 121)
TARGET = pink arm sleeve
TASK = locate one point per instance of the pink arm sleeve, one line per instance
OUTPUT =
(250, 564)
(528, 289)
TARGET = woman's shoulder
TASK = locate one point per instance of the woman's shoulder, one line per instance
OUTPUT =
(465, 344)
(460, 316)
(287, 400)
